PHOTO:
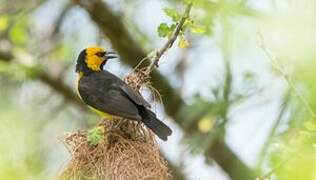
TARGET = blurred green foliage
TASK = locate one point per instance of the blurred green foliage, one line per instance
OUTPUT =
(289, 35)
(22, 154)
(18, 32)
(165, 30)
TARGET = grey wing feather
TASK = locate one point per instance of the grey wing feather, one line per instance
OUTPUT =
(118, 104)
(111, 101)
(135, 96)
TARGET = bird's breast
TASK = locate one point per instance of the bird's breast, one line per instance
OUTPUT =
(105, 115)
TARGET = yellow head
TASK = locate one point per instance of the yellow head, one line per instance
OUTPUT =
(92, 59)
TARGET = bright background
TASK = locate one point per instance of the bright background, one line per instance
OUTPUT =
(267, 120)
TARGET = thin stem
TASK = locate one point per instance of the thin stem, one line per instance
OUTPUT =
(273, 61)
(171, 40)
(266, 144)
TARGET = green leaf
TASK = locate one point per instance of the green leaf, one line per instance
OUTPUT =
(173, 27)
(198, 29)
(173, 14)
(163, 30)
(95, 135)
(183, 43)
(189, 23)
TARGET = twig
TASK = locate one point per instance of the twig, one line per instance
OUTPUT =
(265, 147)
(273, 61)
(227, 87)
(171, 40)
(270, 173)
(60, 18)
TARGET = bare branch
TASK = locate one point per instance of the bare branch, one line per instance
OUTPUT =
(171, 40)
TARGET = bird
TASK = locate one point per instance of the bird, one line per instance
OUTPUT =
(111, 97)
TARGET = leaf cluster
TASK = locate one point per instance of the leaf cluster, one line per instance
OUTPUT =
(166, 30)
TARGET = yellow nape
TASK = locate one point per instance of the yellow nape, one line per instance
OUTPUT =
(94, 50)
(93, 61)
(105, 115)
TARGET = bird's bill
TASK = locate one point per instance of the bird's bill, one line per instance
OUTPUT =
(110, 55)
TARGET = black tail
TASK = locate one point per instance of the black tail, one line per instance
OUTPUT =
(158, 127)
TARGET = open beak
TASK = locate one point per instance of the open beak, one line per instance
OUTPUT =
(110, 55)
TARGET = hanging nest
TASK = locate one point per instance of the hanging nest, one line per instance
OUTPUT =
(127, 150)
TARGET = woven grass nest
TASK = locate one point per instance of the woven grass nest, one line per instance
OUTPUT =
(127, 150)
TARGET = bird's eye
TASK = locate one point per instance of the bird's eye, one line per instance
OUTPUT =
(100, 54)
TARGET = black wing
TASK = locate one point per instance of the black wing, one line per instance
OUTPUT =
(106, 92)
(135, 96)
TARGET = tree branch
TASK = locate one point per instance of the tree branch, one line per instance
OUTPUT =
(228, 161)
(55, 83)
(171, 40)
(5, 56)
(60, 87)
(60, 18)
(218, 149)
